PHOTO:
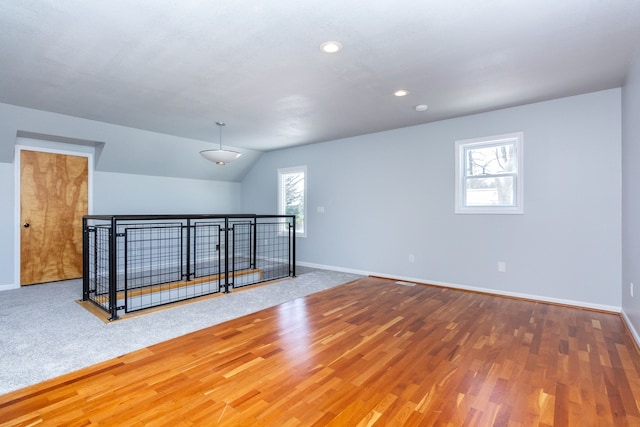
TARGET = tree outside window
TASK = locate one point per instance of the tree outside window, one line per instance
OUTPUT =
(291, 195)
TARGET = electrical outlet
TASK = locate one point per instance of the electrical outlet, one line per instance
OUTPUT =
(411, 258)
(502, 266)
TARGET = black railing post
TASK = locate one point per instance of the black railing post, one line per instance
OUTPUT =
(226, 255)
(254, 243)
(219, 251)
(293, 251)
(233, 254)
(188, 248)
(113, 270)
(96, 253)
(125, 246)
(85, 260)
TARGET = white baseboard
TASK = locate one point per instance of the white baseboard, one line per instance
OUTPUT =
(333, 268)
(634, 333)
(7, 287)
(541, 298)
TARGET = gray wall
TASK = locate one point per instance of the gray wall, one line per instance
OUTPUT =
(117, 193)
(631, 196)
(391, 194)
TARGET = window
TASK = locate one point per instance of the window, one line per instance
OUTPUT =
(489, 175)
(292, 191)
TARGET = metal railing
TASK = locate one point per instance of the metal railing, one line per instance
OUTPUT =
(135, 262)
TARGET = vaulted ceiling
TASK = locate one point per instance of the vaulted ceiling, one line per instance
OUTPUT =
(177, 67)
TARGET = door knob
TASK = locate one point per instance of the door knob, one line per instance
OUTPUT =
(25, 225)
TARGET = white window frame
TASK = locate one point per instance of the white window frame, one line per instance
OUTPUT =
(461, 174)
(281, 196)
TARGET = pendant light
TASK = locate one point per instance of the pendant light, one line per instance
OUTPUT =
(220, 157)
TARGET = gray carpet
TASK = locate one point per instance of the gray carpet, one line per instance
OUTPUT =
(44, 333)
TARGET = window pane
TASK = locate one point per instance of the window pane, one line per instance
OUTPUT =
(294, 197)
(489, 175)
(497, 191)
(491, 160)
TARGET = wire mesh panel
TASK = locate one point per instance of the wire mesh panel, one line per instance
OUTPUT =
(152, 259)
(207, 248)
(136, 262)
(152, 254)
(97, 271)
(273, 249)
(241, 242)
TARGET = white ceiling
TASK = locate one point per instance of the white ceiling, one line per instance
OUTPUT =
(177, 67)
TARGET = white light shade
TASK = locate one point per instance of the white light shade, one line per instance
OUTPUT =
(220, 157)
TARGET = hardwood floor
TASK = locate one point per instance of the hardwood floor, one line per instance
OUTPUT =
(370, 352)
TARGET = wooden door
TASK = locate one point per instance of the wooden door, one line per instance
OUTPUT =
(53, 199)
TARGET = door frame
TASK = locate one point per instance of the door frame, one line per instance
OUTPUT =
(17, 170)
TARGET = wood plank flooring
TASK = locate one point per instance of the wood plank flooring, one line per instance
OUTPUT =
(367, 353)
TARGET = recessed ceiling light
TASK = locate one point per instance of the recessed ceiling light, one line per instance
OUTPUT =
(331, 47)
(421, 107)
(401, 92)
